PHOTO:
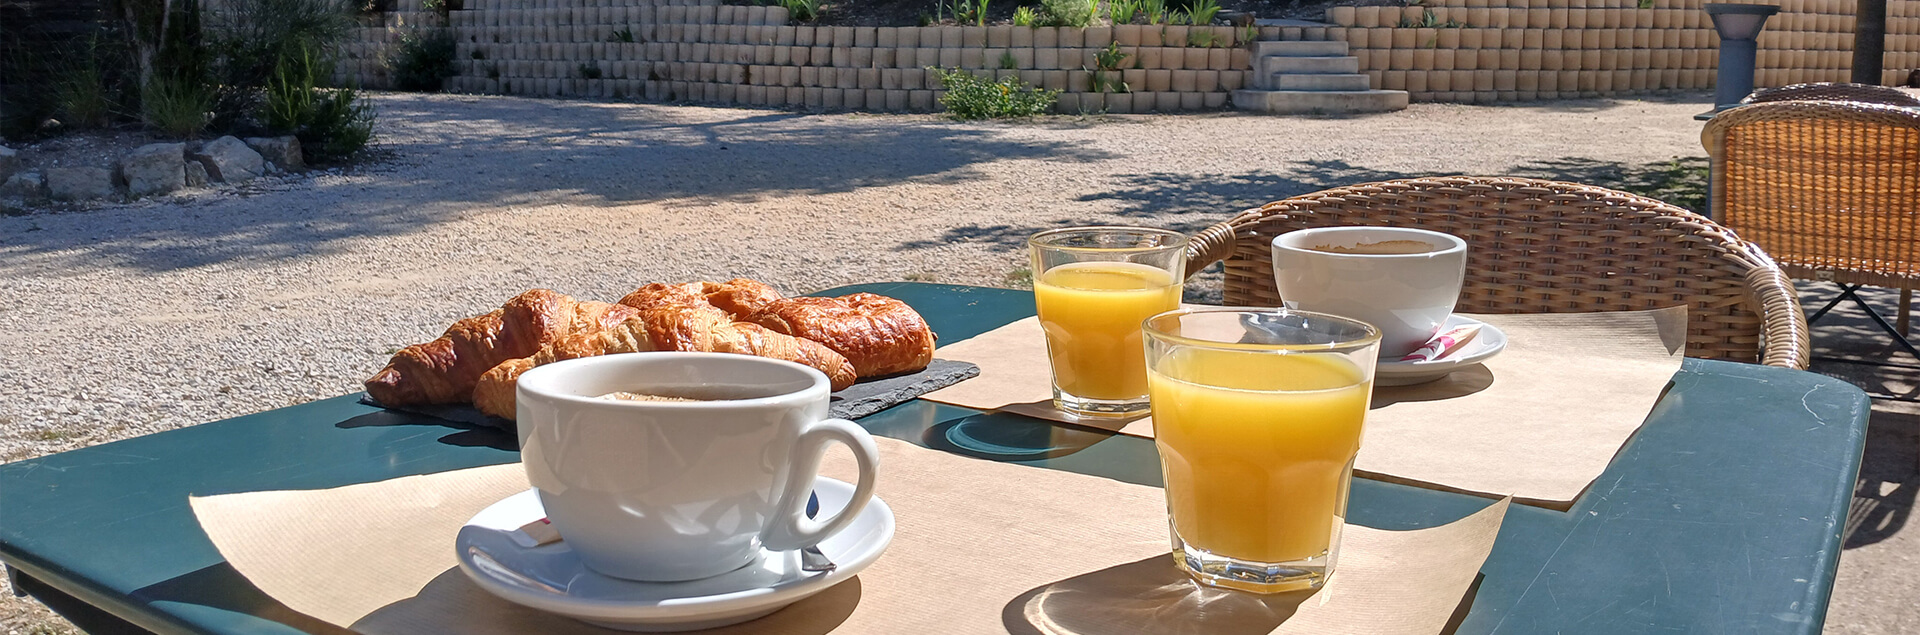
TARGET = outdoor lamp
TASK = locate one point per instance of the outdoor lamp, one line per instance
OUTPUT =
(1739, 26)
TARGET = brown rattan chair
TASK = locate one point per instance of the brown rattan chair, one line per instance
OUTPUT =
(1548, 247)
(1834, 91)
(1831, 189)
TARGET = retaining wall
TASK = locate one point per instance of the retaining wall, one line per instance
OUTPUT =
(1548, 49)
(698, 50)
(749, 55)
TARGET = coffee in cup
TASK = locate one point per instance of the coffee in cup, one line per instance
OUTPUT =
(713, 462)
(1403, 281)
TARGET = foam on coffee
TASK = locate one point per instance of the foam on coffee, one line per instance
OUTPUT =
(685, 394)
(1381, 248)
(635, 396)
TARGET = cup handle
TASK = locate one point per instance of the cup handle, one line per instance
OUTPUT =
(791, 529)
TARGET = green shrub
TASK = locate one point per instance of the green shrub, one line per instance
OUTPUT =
(1155, 10)
(972, 11)
(252, 38)
(1068, 13)
(331, 124)
(1025, 16)
(802, 10)
(81, 96)
(1122, 11)
(1105, 77)
(342, 124)
(176, 106)
(1008, 61)
(255, 35)
(971, 97)
(590, 70)
(623, 35)
(1202, 11)
(424, 60)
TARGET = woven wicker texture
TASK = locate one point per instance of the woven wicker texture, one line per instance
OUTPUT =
(1831, 189)
(1834, 91)
(1548, 247)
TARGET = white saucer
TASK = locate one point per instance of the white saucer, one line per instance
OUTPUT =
(551, 577)
(1484, 345)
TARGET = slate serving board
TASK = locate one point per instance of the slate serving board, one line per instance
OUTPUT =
(859, 400)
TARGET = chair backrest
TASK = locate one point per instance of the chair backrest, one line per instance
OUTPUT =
(1539, 246)
(1831, 189)
(1834, 91)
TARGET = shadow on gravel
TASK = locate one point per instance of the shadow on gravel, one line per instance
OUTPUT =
(457, 153)
(1189, 202)
(1179, 201)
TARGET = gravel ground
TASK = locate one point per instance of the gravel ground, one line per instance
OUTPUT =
(130, 319)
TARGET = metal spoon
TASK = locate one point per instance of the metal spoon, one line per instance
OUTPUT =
(811, 559)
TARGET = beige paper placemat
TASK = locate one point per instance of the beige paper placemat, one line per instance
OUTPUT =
(981, 547)
(1539, 422)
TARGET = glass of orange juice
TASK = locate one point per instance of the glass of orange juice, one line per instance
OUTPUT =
(1093, 287)
(1257, 414)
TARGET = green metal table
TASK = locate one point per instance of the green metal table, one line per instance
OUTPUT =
(1722, 515)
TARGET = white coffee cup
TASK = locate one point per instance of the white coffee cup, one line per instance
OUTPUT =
(1408, 296)
(666, 491)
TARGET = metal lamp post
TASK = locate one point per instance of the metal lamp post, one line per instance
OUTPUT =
(1739, 26)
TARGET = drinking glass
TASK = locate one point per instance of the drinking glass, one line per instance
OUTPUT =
(1093, 287)
(1257, 415)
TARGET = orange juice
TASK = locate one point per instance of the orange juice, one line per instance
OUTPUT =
(1257, 448)
(1092, 313)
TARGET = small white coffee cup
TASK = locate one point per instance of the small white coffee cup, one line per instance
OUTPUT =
(665, 491)
(1408, 296)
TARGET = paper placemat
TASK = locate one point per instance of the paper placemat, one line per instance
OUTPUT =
(1538, 422)
(853, 402)
(981, 547)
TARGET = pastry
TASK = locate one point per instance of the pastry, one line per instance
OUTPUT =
(878, 334)
(669, 327)
(446, 369)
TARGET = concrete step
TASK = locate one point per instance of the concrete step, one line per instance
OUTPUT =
(1300, 48)
(1291, 81)
(1308, 65)
(1319, 102)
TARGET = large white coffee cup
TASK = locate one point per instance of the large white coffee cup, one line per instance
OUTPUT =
(665, 491)
(1408, 296)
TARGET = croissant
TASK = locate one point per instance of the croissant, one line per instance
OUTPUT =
(685, 327)
(739, 297)
(742, 297)
(446, 369)
(878, 334)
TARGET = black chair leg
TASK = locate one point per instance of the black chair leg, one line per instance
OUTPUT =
(1849, 293)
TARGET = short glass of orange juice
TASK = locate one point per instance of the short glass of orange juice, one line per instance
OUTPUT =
(1093, 287)
(1257, 414)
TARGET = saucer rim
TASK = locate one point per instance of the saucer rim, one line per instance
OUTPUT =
(685, 608)
(1448, 364)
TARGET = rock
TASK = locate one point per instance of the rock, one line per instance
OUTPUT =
(156, 168)
(26, 186)
(80, 184)
(229, 159)
(9, 162)
(196, 174)
(280, 152)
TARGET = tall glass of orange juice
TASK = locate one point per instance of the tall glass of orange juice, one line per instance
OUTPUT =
(1093, 287)
(1257, 414)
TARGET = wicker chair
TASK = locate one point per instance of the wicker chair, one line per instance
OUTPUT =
(1547, 247)
(1834, 91)
(1832, 189)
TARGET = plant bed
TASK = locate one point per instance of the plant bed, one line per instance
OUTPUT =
(898, 13)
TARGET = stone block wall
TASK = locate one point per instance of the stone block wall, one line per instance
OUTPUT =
(1479, 51)
(1507, 50)
(706, 52)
